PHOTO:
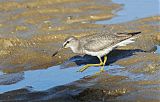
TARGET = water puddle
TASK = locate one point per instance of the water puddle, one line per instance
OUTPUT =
(133, 10)
(1, 73)
(44, 79)
(131, 76)
(40, 80)
(158, 49)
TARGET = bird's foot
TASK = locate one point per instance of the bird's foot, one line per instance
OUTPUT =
(83, 68)
(101, 71)
(89, 65)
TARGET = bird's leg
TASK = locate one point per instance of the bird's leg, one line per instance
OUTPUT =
(89, 65)
(104, 62)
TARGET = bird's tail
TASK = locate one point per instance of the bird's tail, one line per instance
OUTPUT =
(132, 33)
(127, 38)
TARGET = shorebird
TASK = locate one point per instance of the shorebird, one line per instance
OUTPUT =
(97, 45)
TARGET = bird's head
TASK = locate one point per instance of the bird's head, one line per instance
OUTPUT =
(70, 42)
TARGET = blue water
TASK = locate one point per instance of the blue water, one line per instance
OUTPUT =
(134, 9)
(41, 80)
(1, 73)
(158, 49)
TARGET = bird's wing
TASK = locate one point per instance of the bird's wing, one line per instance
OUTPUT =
(99, 43)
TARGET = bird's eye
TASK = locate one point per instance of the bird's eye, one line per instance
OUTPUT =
(67, 42)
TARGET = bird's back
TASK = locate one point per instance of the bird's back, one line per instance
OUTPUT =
(99, 41)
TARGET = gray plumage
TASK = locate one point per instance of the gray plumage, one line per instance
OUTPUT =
(98, 44)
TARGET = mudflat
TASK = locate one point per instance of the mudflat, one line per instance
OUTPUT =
(31, 31)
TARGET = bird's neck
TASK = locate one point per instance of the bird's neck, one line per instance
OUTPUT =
(76, 49)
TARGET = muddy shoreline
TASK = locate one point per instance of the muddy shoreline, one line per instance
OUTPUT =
(29, 73)
(28, 41)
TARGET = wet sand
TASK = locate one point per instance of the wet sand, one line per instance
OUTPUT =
(132, 72)
(32, 30)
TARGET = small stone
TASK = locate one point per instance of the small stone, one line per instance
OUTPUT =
(46, 21)
(158, 37)
(1, 25)
(70, 17)
(50, 27)
(20, 28)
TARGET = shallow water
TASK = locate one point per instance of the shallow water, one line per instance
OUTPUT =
(1, 73)
(133, 10)
(40, 80)
(158, 49)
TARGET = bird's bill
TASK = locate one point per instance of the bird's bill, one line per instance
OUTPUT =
(64, 45)
(57, 52)
(54, 53)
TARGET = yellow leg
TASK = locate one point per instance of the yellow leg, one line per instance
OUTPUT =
(104, 62)
(89, 65)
